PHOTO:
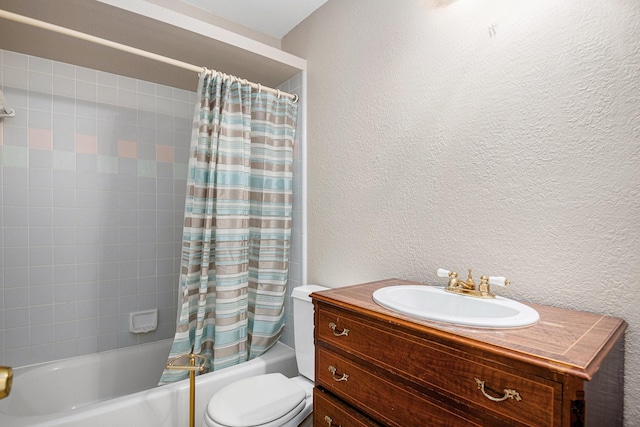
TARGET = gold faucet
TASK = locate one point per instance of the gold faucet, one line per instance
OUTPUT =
(469, 287)
(6, 378)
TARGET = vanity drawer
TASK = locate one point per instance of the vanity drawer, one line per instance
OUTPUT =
(331, 412)
(448, 371)
(380, 396)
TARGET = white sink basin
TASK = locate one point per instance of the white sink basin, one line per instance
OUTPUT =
(434, 303)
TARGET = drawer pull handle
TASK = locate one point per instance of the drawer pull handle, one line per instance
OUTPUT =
(508, 393)
(334, 327)
(329, 421)
(333, 370)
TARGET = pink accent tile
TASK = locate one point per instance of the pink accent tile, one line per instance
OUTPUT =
(164, 153)
(128, 149)
(40, 139)
(86, 144)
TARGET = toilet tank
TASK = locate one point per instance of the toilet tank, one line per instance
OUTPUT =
(303, 328)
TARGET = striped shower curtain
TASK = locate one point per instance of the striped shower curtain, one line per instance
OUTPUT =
(237, 225)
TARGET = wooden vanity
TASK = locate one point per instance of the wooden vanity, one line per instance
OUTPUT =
(376, 367)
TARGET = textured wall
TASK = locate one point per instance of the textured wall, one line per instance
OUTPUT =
(502, 135)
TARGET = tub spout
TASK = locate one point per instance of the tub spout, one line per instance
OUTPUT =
(6, 378)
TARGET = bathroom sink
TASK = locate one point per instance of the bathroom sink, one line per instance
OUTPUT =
(434, 303)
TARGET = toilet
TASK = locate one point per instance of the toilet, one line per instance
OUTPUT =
(273, 400)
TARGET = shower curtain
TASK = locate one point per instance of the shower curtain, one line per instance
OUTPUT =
(237, 224)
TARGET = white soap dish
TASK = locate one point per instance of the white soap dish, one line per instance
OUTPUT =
(143, 321)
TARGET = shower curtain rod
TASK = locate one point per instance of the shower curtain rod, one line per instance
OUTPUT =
(129, 49)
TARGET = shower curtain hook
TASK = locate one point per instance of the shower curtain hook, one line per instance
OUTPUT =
(278, 93)
(259, 88)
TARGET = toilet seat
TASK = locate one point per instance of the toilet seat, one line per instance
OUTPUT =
(265, 400)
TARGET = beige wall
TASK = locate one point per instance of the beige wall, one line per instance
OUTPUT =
(434, 141)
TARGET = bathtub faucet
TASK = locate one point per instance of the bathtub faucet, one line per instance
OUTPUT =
(6, 378)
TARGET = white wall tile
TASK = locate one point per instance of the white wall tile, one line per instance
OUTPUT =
(40, 82)
(61, 69)
(86, 75)
(15, 77)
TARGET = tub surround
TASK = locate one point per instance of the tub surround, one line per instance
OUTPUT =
(94, 169)
(544, 374)
(92, 194)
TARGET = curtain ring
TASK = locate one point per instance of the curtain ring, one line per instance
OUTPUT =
(259, 88)
(296, 98)
(278, 93)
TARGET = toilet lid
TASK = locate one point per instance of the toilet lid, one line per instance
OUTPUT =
(255, 400)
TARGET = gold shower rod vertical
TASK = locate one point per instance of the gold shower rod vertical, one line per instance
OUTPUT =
(124, 48)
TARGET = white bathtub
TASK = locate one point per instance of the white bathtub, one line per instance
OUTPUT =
(118, 388)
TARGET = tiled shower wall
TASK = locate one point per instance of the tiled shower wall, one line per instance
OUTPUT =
(92, 196)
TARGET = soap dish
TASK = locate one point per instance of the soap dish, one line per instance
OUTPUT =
(143, 321)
